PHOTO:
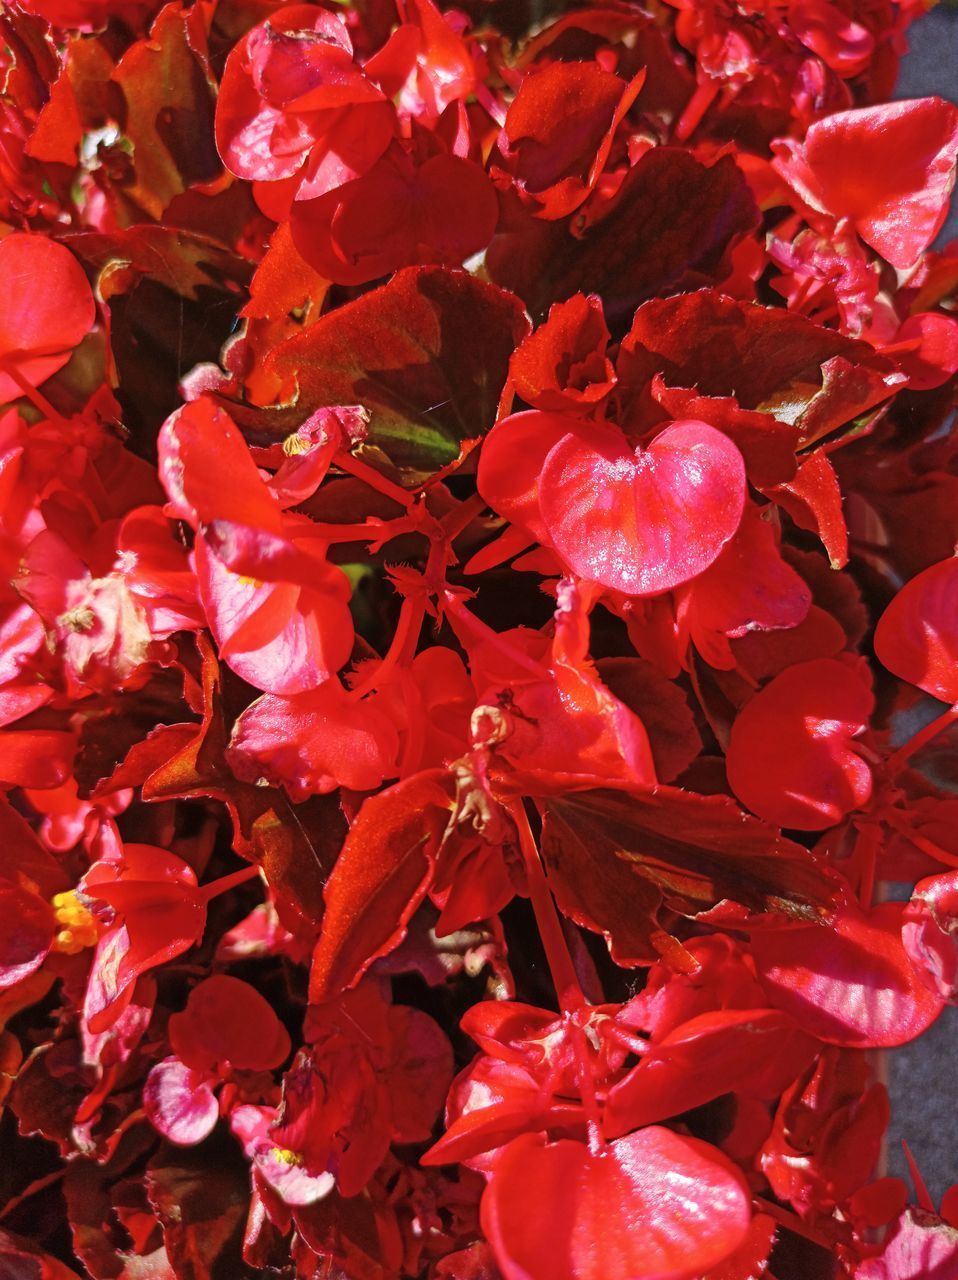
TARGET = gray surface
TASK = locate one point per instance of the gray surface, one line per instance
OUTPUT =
(931, 67)
(923, 1076)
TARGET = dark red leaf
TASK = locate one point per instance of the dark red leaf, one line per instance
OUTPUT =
(380, 878)
(614, 858)
(669, 226)
(427, 355)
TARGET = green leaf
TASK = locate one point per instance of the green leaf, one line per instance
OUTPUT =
(427, 355)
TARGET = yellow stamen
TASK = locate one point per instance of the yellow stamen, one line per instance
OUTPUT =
(296, 444)
(78, 927)
(82, 618)
(285, 1156)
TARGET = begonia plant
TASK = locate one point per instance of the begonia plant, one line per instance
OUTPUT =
(478, 638)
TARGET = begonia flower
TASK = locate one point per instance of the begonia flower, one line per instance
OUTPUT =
(278, 608)
(917, 635)
(890, 169)
(226, 1029)
(291, 88)
(158, 912)
(544, 472)
(802, 727)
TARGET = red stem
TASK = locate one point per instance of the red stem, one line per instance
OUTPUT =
(898, 759)
(408, 627)
(463, 515)
(902, 825)
(36, 398)
(791, 1222)
(557, 952)
(225, 883)
(369, 475)
(695, 109)
(866, 858)
(379, 532)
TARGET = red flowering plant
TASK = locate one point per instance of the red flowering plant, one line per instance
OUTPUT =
(478, 637)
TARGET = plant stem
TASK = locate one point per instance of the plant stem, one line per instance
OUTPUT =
(225, 883)
(547, 918)
(354, 466)
(898, 759)
(36, 398)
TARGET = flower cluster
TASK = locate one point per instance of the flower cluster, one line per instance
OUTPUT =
(478, 636)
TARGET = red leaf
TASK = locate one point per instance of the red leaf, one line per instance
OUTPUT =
(201, 1201)
(669, 226)
(813, 499)
(559, 130)
(563, 366)
(168, 116)
(380, 878)
(427, 355)
(614, 857)
(764, 357)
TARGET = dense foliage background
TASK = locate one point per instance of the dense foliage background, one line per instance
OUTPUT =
(478, 636)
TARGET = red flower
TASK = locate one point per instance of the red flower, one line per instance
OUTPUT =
(291, 91)
(802, 727)
(638, 1183)
(226, 1029)
(889, 169)
(662, 514)
(278, 609)
(158, 912)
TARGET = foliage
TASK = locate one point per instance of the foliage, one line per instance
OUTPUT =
(478, 632)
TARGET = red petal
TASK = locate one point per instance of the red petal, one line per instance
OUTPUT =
(917, 635)
(313, 742)
(651, 1206)
(849, 982)
(180, 1103)
(920, 1247)
(642, 522)
(46, 309)
(890, 168)
(227, 1022)
(27, 934)
(790, 756)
